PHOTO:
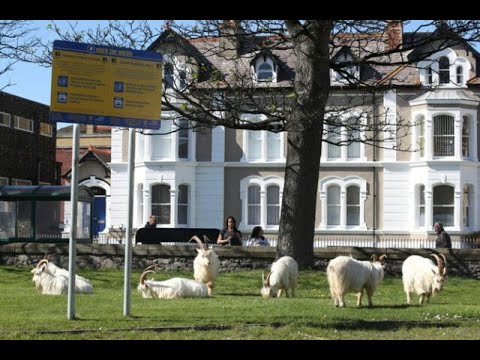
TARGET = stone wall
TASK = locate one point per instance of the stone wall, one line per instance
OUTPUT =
(460, 262)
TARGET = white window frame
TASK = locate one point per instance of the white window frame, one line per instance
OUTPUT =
(3, 181)
(5, 116)
(467, 137)
(262, 59)
(444, 136)
(21, 182)
(16, 124)
(187, 204)
(162, 204)
(263, 183)
(263, 140)
(420, 124)
(342, 117)
(452, 206)
(454, 60)
(458, 113)
(174, 141)
(467, 216)
(418, 206)
(49, 126)
(337, 78)
(343, 183)
(178, 67)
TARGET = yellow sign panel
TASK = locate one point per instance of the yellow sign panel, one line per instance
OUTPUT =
(106, 85)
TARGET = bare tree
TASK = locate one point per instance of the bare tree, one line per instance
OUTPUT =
(217, 87)
(16, 44)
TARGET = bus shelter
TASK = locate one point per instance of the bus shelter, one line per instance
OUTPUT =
(35, 213)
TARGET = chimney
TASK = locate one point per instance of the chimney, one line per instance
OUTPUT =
(394, 34)
(229, 42)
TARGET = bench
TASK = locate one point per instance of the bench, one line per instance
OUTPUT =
(173, 235)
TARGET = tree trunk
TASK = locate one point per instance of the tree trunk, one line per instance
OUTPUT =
(304, 140)
(297, 222)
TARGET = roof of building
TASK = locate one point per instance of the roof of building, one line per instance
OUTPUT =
(387, 70)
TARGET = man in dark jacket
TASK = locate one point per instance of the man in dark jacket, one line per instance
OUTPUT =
(443, 238)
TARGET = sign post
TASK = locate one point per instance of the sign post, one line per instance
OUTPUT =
(104, 85)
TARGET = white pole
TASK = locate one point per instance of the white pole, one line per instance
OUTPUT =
(128, 233)
(72, 246)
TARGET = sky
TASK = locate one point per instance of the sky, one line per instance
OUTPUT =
(33, 82)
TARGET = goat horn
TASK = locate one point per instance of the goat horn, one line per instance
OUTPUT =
(142, 277)
(382, 258)
(41, 262)
(268, 278)
(207, 240)
(197, 239)
(374, 258)
(154, 266)
(444, 259)
(440, 263)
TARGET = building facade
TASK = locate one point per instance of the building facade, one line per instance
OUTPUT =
(94, 170)
(27, 143)
(197, 178)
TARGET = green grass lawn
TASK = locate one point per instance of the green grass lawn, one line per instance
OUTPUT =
(237, 311)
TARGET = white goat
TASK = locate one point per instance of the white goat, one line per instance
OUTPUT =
(174, 288)
(206, 264)
(346, 275)
(422, 276)
(283, 276)
(47, 283)
(82, 285)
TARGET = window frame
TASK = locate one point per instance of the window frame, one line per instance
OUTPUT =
(16, 124)
(265, 59)
(3, 116)
(342, 117)
(264, 139)
(344, 184)
(264, 183)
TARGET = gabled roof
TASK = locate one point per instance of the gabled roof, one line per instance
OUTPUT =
(103, 156)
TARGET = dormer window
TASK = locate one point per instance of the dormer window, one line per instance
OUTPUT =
(174, 74)
(444, 70)
(168, 76)
(265, 69)
(264, 72)
(346, 74)
(459, 75)
(429, 75)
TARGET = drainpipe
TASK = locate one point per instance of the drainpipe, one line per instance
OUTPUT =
(374, 170)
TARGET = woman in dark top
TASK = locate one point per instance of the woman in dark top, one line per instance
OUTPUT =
(230, 235)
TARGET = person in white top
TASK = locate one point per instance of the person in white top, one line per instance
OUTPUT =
(257, 238)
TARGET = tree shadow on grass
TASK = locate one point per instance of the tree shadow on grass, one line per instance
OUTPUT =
(380, 325)
(237, 294)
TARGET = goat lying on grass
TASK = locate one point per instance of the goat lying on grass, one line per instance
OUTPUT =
(174, 288)
(45, 270)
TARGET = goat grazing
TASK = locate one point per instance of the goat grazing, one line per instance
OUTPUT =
(283, 276)
(422, 276)
(47, 283)
(206, 264)
(82, 285)
(174, 288)
(346, 275)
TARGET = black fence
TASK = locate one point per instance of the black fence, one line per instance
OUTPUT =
(168, 235)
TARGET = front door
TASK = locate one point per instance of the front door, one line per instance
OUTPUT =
(98, 214)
